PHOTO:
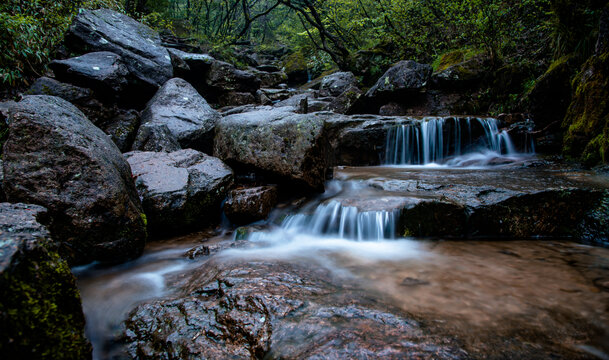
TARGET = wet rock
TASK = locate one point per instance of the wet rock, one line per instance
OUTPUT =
(262, 98)
(225, 77)
(392, 109)
(276, 95)
(56, 158)
(268, 311)
(313, 104)
(270, 79)
(138, 45)
(347, 101)
(186, 114)
(41, 310)
(123, 129)
(101, 71)
(461, 74)
(359, 139)
(155, 137)
(594, 229)
(180, 190)
(52, 87)
(181, 68)
(277, 142)
(247, 205)
(2, 194)
(335, 84)
(236, 99)
(406, 76)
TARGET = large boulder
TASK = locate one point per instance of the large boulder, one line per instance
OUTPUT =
(269, 79)
(56, 158)
(347, 101)
(277, 142)
(155, 137)
(138, 45)
(101, 71)
(404, 77)
(335, 84)
(247, 205)
(72, 93)
(186, 114)
(180, 190)
(40, 310)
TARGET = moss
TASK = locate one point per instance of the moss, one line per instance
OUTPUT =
(454, 57)
(587, 118)
(144, 219)
(295, 62)
(43, 309)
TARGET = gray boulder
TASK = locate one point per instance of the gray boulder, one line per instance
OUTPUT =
(101, 71)
(335, 84)
(186, 114)
(56, 158)
(277, 142)
(180, 190)
(138, 45)
(155, 137)
(405, 76)
(52, 87)
(40, 309)
(225, 77)
(247, 205)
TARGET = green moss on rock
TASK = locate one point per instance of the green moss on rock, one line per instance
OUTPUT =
(587, 118)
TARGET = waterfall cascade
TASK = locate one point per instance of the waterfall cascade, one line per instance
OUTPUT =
(345, 222)
(433, 140)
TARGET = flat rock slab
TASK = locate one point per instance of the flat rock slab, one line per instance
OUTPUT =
(499, 202)
(257, 309)
(180, 190)
(40, 304)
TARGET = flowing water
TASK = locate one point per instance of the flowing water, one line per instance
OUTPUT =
(483, 293)
(449, 141)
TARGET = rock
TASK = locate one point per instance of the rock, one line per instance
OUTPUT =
(457, 70)
(346, 102)
(123, 129)
(548, 100)
(276, 95)
(155, 137)
(101, 71)
(186, 114)
(270, 79)
(181, 68)
(262, 99)
(392, 109)
(47, 86)
(403, 77)
(244, 206)
(277, 142)
(56, 158)
(41, 310)
(192, 68)
(313, 104)
(138, 45)
(180, 190)
(335, 84)
(268, 310)
(225, 77)
(2, 194)
(587, 118)
(295, 66)
(602, 43)
(236, 99)
(268, 68)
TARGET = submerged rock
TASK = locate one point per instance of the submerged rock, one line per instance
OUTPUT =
(185, 113)
(180, 190)
(277, 142)
(247, 205)
(267, 311)
(40, 304)
(56, 158)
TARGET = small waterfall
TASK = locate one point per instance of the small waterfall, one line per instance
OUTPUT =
(433, 140)
(345, 222)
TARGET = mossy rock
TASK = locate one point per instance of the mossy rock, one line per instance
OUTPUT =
(587, 118)
(454, 57)
(296, 67)
(40, 308)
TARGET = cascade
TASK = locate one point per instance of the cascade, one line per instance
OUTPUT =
(345, 222)
(434, 140)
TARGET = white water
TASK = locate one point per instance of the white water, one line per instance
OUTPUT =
(448, 141)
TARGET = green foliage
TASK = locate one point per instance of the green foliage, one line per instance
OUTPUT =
(30, 30)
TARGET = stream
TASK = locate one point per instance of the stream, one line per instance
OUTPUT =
(505, 298)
